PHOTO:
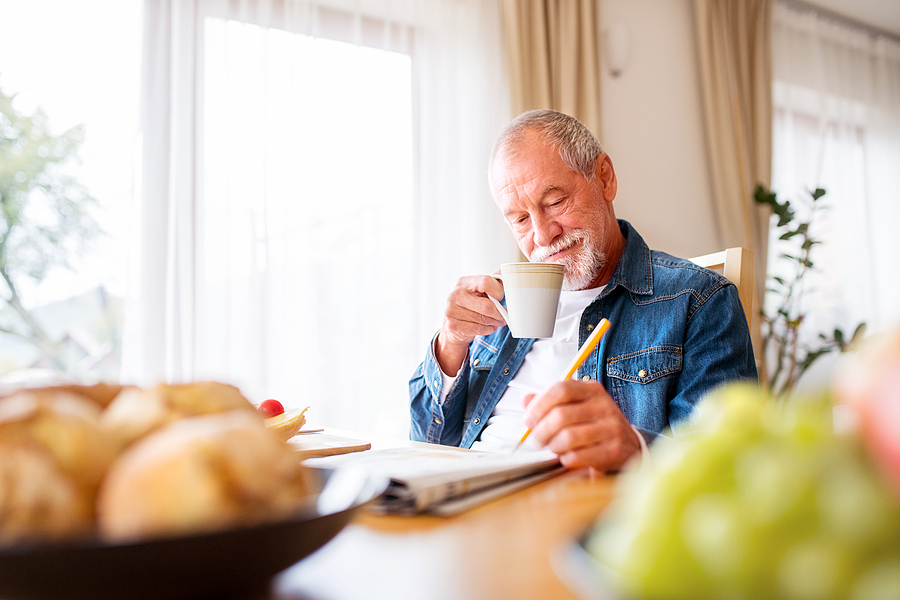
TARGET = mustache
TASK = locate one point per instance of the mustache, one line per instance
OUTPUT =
(566, 241)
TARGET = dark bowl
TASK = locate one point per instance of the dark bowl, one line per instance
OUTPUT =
(232, 563)
(581, 572)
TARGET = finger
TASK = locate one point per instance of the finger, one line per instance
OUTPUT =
(494, 287)
(482, 284)
(605, 445)
(609, 455)
(461, 333)
(475, 301)
(561, 393)
(459, 313)
(576, 437)
(597, 457)
(563, 421)
(526, 400)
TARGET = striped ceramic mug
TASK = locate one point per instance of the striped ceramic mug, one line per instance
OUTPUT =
(532, 296)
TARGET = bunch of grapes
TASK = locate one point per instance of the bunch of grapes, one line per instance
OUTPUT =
(756, 499)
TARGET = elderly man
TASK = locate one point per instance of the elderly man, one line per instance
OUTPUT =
(677, 330)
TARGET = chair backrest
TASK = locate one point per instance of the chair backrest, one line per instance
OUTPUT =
(737, 265)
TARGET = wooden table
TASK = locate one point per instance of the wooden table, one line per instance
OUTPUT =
(502, 549)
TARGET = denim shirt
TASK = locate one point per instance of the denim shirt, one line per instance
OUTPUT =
(677, 331)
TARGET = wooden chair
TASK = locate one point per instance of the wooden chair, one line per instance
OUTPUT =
(737, 265)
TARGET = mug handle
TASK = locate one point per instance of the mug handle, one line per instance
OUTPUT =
(496, 302)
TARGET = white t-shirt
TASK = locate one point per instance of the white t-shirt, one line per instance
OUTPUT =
(544, 364)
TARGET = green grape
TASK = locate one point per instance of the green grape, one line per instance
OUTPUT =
(881, 581)
(804, 421)
(768, 484)
(814, 569)
(714, 533)
(854, 508)
(734, 407)
(754, 499)
(648, 558)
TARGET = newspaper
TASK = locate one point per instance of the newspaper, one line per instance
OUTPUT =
(444, 481)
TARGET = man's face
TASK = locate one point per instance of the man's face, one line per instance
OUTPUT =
(555, 214)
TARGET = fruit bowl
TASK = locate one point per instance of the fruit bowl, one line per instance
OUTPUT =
(234, 562)
(581, 572)
(752, 499)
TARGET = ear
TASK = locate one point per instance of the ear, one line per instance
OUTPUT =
(606, 175)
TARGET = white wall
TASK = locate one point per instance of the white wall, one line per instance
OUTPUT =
(653, 129)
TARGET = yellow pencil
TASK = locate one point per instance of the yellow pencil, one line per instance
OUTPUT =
(583, 352)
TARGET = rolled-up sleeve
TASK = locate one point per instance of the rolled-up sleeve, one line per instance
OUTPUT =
(436, 415)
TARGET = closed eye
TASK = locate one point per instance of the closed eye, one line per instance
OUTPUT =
(557, 203)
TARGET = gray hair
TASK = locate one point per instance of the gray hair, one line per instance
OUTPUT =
(577, 146)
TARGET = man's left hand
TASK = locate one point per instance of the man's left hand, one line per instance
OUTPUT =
(579, 421)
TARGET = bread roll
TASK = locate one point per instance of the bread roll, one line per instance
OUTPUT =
(101, 393)
(37, 500)
(53, 456)
(198, 474)
(136, 412)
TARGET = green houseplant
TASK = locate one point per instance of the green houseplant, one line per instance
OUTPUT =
(787, 356)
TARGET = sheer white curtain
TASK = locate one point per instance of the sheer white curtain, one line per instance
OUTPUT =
(837, 126)
(296, 254)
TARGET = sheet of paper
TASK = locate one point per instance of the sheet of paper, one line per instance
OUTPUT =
(448, 508)
(414, 463)
(424, 480)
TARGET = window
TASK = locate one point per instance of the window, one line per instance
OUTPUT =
(305, 231)
(72, 174)
(814, 150)
(836, 126)
(313, 185)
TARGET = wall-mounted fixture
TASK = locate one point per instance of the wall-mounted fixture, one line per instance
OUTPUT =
(618, 45)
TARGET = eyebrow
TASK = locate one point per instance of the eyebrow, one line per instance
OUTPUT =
(550, 188)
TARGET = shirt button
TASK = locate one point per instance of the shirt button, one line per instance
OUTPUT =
(476, 420)
(590, 327)
(506, 371)
(437, 383)
(586, 378)
(438, 420)
(477, 361)
(642, 373)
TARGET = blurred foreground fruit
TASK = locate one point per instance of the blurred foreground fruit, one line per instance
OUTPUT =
(270, 408)
(869, 381)
(756, 500)
(287, 424)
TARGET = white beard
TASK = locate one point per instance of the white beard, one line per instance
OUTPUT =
(581, 266)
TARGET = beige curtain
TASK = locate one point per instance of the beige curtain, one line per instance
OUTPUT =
(734, 50)
(552, 54)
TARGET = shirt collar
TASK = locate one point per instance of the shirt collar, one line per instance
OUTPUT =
(635, 270)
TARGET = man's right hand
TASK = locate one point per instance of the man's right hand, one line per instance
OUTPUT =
(469, 313)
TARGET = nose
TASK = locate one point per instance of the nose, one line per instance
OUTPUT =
(544, 230)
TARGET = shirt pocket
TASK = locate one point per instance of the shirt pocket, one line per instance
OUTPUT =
(641, 383)
(482, 355)
(645, 366)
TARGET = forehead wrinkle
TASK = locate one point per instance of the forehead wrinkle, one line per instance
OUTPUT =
(521, 190)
